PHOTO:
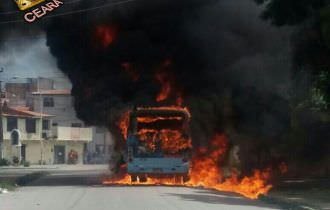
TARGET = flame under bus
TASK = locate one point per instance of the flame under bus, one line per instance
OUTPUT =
(158, 143)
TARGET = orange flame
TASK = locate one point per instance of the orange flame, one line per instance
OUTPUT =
(132, 73)
(283, 168)
(105, 35)
(205, 172)
(165, 82)
(155, 119)
(172, 141)
(168, 85)
(179, 100)
(123, 124)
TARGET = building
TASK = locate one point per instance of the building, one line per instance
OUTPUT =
(62, 132)
(30, 136)
(60, 104)
(18, 89)
(101, 147)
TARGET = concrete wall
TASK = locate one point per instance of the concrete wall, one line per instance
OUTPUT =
(76, 146)
(73, 134)
(22, 129)
(101, 137)
(33, 151)
(44, 149)
(63, 109)
(16, 93)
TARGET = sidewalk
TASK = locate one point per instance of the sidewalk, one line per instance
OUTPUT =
(79, 167)
(14, 171)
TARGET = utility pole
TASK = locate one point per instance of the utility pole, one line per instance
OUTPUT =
(41, 110)
(1, 126)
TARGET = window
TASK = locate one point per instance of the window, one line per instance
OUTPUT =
(11, 123)
(45, 124)
(15, 138)
(76, 125)
(55, 124)
(48, 102)
(30, 125)
(99, 149)
(99, 130)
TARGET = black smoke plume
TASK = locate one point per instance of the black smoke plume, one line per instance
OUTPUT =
(208, 49)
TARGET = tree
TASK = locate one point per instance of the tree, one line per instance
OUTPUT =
(311, 42)
(290, 12)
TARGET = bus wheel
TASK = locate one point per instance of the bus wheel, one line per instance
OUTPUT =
(133, 178)
(142, 178)
(185, 178)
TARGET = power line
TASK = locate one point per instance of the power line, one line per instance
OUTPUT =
(73, 12)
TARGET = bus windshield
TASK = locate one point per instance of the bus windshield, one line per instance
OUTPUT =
(161, 131)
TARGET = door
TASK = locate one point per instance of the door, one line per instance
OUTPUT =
(59, 153)
(23, 152)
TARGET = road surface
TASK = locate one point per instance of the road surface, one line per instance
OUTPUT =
(123, 198)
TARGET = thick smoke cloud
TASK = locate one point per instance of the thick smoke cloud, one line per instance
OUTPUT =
(232, 68)
(212, 49)
(251, 58)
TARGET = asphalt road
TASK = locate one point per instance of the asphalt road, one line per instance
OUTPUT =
(123, 198)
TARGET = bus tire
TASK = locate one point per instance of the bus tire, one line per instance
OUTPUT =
(143, 178)
(133, 178)
(185, 178)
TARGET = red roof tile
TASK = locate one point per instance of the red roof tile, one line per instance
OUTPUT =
(22, 112)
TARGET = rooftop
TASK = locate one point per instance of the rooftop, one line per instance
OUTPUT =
(53, 92)
(22, 112)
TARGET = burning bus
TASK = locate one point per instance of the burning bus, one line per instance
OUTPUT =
(158, 143)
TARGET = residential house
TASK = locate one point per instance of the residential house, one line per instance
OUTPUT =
(40, 95)
(22, 135)
(30, 136)
(59, 103)
(18, 89)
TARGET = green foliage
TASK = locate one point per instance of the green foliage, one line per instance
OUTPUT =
(319, 95)
(15, 160)
(26, 163)
(9, 185)
(311, 45)
(290, 12)
(325, 25)
(4, 162)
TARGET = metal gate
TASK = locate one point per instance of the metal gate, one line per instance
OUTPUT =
(59, 153)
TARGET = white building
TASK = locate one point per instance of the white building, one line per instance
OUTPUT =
(59, 103)
(40, 96)
(24, 137)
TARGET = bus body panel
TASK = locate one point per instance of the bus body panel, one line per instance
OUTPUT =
(151, 166)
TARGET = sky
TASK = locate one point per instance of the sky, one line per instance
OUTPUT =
(29, 57)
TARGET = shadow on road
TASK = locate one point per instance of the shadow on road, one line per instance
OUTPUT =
(215, 197)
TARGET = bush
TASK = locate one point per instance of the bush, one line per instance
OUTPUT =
(4, 162)
(7, 184)
(15, 160)
(26, 163)
(42, 162)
